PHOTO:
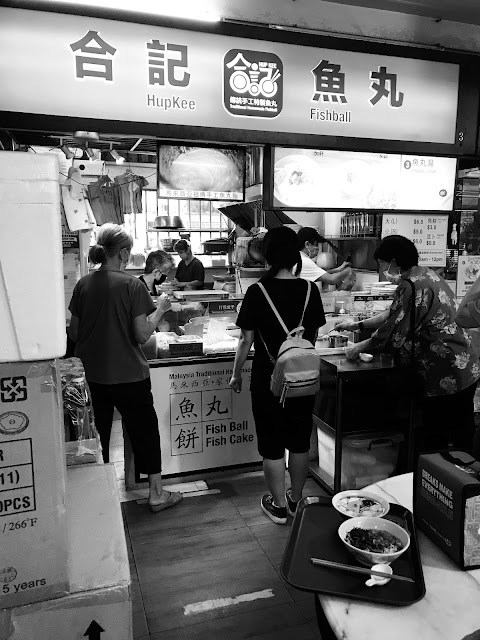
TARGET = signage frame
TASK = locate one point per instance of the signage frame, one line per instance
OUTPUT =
(268, 195)
(466, 134)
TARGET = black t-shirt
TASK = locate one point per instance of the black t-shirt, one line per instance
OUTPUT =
(153, 290)
(288, 296)
(193, 271)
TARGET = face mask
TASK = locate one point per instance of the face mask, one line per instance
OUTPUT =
(313, 253)
(395, 278)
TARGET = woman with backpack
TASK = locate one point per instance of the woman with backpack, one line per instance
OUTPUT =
(280, 423)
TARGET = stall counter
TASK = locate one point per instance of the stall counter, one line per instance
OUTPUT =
(203, 424)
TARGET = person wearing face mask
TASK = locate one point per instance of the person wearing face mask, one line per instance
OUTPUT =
(112, 314)
(308, 240)
(157, 267)
(444, 356)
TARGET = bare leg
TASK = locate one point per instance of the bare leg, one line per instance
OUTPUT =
(158, 495)
(298, 469)
(274, 471)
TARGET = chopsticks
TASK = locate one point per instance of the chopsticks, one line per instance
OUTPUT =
(348, 567)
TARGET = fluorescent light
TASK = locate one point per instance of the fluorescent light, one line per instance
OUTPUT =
(116, 156)
(184, 9)
(90, 153)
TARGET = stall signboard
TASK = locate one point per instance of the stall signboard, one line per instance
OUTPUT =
(344, 180)
(203, 423)
(97, 68)
(427, 232)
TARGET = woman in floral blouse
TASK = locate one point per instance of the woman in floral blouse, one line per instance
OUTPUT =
(444, 356)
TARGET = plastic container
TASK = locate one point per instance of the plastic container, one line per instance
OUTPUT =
(367, 457)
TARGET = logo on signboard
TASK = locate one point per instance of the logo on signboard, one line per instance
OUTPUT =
(13, 389)
(252, 83)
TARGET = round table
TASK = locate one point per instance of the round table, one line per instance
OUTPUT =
(450, 609)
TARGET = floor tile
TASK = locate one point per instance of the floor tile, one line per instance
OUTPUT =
(152, 555)
(192, 517)
(282, 622)
(166, 597)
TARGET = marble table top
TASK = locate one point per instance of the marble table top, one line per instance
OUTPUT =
(450, 609)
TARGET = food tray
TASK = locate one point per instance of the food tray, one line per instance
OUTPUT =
(314, 535)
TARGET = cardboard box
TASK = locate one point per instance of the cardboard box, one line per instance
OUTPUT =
(33, 529)
(31, 229)
(99, 604)
(446, 504)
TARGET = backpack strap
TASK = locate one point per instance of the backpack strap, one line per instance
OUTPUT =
(274, 309)
(284, 326)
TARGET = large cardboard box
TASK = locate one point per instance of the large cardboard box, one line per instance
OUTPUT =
(99, 604)
(446, 504)
(33, 528)
(30, 242)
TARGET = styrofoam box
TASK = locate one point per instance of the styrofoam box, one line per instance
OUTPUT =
(32, 319)
(33, 527)
(99, 603)
(366, 457)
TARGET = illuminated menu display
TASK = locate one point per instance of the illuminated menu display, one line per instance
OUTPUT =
(327, 179)
(427, 232)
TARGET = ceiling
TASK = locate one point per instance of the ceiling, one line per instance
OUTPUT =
(466, 11)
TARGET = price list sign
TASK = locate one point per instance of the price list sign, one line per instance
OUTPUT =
(427, 232)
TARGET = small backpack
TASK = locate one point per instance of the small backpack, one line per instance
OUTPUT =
(296, 369)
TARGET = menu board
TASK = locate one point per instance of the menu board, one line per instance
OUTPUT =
(343, 180)
(468, 272)
(429, 234)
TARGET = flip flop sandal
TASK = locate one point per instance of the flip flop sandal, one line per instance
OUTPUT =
(173, 499)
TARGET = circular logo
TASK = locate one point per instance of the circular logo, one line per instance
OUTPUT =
(442, 193)
(13, 422)
(7, 574)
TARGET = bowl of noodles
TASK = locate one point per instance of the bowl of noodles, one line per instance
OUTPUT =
(374, 540)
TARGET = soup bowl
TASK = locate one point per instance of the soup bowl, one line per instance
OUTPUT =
(374, 528)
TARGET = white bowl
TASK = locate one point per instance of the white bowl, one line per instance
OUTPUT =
(358, 506)
(369, 558)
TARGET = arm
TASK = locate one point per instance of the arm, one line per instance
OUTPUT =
(244, 345)
(344, 265)
(144, 326)
(73, 328)
(335, 276)
(370, 323)
(468, 313)
(193, 284)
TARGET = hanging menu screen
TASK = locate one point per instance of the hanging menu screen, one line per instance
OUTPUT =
(343, 180)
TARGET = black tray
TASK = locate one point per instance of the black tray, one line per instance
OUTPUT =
(314, 534)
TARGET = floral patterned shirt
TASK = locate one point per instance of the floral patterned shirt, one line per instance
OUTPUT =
(445, 356)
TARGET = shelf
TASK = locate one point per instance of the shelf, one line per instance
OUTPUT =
(352, 237)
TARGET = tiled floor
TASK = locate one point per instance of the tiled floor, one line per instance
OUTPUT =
(210, 567)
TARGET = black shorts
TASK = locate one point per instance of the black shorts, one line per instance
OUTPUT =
(279, 428)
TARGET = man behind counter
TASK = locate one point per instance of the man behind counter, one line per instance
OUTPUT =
(190, 271)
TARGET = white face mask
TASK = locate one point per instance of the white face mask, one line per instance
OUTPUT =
(395, 278)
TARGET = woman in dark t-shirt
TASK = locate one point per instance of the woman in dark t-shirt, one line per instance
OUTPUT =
(278, 426)
(112, 313)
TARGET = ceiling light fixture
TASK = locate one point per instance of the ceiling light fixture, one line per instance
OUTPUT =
(68, 152)
(183, 9)
(116, 156)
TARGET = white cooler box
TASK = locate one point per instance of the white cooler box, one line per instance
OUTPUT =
(366, 457)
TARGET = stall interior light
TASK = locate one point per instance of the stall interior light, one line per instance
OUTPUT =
(90, 153)
(183, 9)
(116, 156)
